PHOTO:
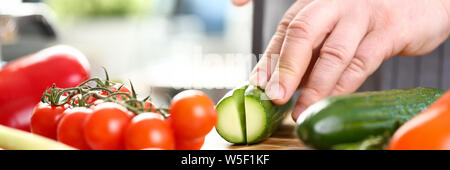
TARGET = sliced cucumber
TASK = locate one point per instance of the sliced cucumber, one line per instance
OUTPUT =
(247, 116)
(231, 114)
(257, 119)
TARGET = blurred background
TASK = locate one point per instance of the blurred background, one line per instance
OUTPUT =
(162, 46)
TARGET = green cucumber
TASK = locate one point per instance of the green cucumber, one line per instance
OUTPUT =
(341, 120)
(247, 116)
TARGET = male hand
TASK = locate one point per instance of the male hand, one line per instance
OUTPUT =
(330, 47)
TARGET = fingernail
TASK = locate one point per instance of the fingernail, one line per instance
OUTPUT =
(275, 91)
(258, 78)
(297, 111)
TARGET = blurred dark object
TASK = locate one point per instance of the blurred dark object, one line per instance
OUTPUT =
(31, 0)
(257, 39)
(35, 25)
(30, 30)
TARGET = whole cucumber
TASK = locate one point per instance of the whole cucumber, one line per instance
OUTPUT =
(355, 117)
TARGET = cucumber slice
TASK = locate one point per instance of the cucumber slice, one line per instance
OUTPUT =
(257, 119)
(247, 116)
(231, 114)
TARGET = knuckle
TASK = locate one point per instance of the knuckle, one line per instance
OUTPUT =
(278, 37)
(340, 89)
(287, 68)
(355, 73)
(271, 53)
(358, 68)
(310, 95)
(299, 28)
(284, 23)
(338, 54)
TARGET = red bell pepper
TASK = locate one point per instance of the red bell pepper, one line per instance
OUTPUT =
(23, 81)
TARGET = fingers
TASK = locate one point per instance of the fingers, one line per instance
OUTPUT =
(372, 50)
(370, 54)
(307, 29)
(240, 2)
(263, 70)
(335, 55)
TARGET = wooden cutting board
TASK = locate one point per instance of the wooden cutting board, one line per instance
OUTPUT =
(284, 138)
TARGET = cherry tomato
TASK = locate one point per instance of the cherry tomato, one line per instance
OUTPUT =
(148, 105)
(122, 89)
(114, 88)
(149, 130)
(148, 149)
(96, 103)
(192, 114)
(189, 144)
(70, 127)
(90, 100)
(105, 127)
(45, 118)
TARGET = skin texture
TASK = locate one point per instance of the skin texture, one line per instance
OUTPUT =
(330, 47)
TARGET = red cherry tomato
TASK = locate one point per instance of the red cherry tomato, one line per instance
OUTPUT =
(189, 144)
(122, 89)
(149, 130)
(145, 149)
(89, 100)
(148, 105)
(45, 118)
(96, 103)
(192, 114)
(70, 127)
(105, 127)
(114, 88)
